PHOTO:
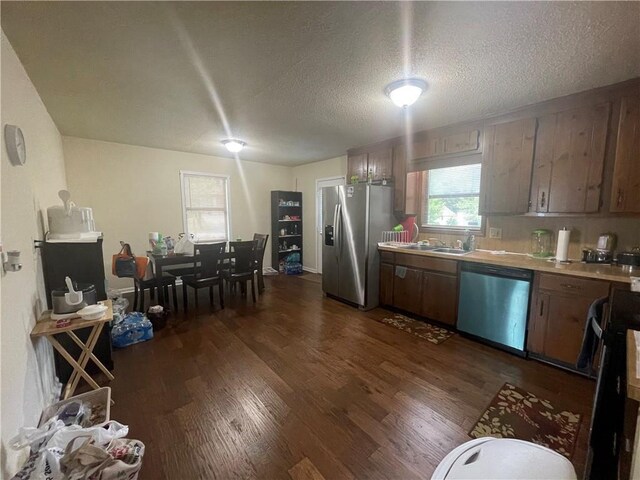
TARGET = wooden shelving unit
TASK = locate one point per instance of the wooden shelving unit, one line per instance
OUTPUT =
(286, 213)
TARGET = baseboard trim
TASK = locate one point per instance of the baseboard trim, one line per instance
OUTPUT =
(310, 270)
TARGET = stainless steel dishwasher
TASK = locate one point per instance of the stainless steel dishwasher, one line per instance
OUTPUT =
(493, 304)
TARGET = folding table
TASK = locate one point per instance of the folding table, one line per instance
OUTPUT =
(46, 327)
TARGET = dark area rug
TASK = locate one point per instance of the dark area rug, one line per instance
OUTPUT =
(424, 330)
(516, 413)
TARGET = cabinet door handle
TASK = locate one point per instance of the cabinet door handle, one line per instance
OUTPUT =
(543, 200)
(568, 285)
(541, 307)
(620, 196)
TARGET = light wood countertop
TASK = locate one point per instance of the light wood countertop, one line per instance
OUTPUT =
(518, 260)
(633, 382)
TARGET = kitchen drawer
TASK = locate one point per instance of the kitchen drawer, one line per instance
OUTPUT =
(573, 285)
(427, 263)
(386, 257)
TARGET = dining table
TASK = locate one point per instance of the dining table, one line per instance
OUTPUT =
(176, 263)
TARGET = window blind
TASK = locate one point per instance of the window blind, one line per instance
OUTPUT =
(205, 206)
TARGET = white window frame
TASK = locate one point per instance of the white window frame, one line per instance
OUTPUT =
(424, 196)
(227, 179)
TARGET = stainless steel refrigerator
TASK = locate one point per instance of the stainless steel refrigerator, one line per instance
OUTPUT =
(354, 218)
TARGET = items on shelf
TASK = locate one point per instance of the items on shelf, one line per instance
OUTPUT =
(286, 227)
(290, 203)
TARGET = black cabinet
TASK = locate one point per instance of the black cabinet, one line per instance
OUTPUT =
(84, 263)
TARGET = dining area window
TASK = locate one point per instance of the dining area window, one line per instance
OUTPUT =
(205, 205)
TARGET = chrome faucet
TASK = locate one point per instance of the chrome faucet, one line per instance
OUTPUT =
(469, 244)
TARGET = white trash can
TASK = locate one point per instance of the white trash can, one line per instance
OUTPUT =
(503, 459)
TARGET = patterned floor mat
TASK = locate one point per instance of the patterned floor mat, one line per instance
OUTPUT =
(516, 413)
(418, 328)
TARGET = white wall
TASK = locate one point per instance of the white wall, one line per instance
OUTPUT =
(136, 190)
(28, 378)
(304, 180)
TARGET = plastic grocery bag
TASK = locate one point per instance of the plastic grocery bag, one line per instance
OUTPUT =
(185, 244)
(48, 444)
(36, 437)
(121, 459)
(134, 328)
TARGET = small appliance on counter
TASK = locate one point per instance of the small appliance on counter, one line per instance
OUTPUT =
(541, 241)
(629, 261)
(68, 301)
(67, 222)
(603, 253)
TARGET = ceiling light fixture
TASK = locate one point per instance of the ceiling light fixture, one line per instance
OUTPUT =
(405, 92)
(234, 145)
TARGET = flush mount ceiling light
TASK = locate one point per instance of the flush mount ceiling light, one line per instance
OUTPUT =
(405, 92)
(233, 145)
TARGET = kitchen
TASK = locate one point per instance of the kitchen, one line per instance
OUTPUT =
(434, 197)
(530, 158)
(564, 165)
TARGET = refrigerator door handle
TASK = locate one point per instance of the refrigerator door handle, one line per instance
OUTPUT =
(338, 229)
(335, 229)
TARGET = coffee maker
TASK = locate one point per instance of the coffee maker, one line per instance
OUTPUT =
(603, 253)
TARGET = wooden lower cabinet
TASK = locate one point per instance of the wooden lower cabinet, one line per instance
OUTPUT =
(558, 316)
(440, 297)
(407, 289)
(431, 294)
(386, 284)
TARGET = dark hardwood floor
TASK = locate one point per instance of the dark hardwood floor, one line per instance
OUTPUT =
(301, 386)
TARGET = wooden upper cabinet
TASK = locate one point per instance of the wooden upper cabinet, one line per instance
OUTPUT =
(461, 142)
(399, 177)
(406, 186)
(437, 145)
(357, 166)
(381, 163)
(507, 161)
(625, 190)
(569, 160)
(412, 193)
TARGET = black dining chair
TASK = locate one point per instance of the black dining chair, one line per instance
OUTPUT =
(261, 245)
(244, 266)
(208, 273)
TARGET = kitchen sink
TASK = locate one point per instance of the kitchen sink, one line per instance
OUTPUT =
(450, 251)
(420, 246)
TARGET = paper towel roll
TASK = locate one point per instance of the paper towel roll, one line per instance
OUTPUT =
(562, 249)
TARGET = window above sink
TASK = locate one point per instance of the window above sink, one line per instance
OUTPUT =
(451, 198)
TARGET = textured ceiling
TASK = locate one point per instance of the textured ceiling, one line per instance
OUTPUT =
(304, 81)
